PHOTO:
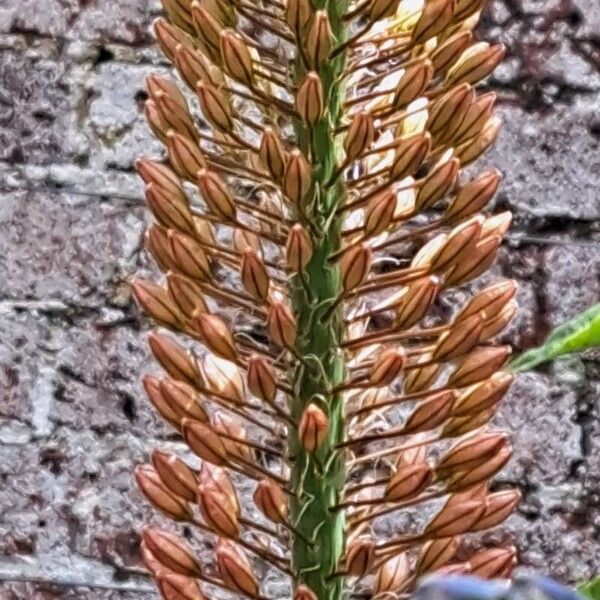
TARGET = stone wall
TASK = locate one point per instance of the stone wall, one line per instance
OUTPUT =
(73, 419)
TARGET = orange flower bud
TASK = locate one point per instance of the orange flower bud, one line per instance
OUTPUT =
(431, 412)
(475, 63)
(254, 276)
(182, 400)
(454, 519)
(458, 243)
(408, 482)
(219, 478)
(204, 442)
(281, 325)
(150, 562)
(154, 117)
(208, 29)
(298, 14)
(178, 587)
(460, 339)
(160, 175)
(410, 155)
(494, 563)
(476, 263)
(271, 501)
(309, 99)
(313, 428)
(437, 184)
(172, 552)
(224, 379)
(170, 210)
(303, 592)
(436, 15)
(318, 39)
(235, 570)
(173, 358)
(155, 301)
(393, 575)
(216, 335)
(498, 507)
(194, 67)
(379, 212)
(185, 156)
(233, 436)
(474, 148)
(261, 379)
(215, 107)
(482, 472)
(186, 294)
(472, 451)
(244, 240)
(216, 195)
(298, 248)
(190, 258)
(483, 395)
(217, 513)
(355, 265)
(169, 37)
(387, 366)
(272, 154)
(415, 302)
(474, 196)
(436, 553)
(152, 388)
(360, 556)
(156, 242)
(448, 51)
(359, 136)
(177, 476)
(236, 57)
(413, 83)
(159, 495)
(297, 178)
(419, 379)
(494, 325)
(479, 364)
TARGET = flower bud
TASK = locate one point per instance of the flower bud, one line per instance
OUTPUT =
(472, 451)
(156, 242)
(236, 57)
(459, 340)
(436, 553)
(483, 395)
(359, 137)
(215, 107)
(224, 379)
(459, 426)
(495, 325)
(272, 154)
(498, 507)
(150, 562)
(393, 575)
(169, 37)
(408, 482)
(297, 178)
(480, 473)
(413, 83)
(155, 301)
(160, 496)
(298, 14)
(473, 196)
(479, 364)
(189, 256)
(313, 428)
(178, 15)
(254, 276)
(154, 393)
(360, 556)
(160, 175)
(216, 335)
(178, 587)
(474, 148)
(172, 552)
(216, 195)
(159, 85)
(166, 114)
(244, 240)
(309, 99)
(379, 212)
(261, 379)
(387, 366)
(382, 9)
(220, 479)
(410, 155)
(475, 63)
(208, 29)
(177, 476)
(318, 39)
(204, 442)
(437, 184)
(435, 17)
(449, 50)
(235, 570)
(298, 248)
(496, 225)
(194, 67)
(479, 113)
(186, 294)
(281, 325)
(431, 412)
(157, 123)
(419, 379)
(185, 156)
(173, 358)
(418, 297)
(233, 436)
(494, 563)
(355, 265)
(171, 211)
(449, 110)
(458, 243)
(271, 501)
(303, 592)
(217, 512)
(454, 519)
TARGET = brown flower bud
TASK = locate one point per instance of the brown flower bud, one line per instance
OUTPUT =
(495, 325)
(498, 507)
(360, 556)
(473, 196)
(309, 99)
(215, 107)
(150, 562)
(475, 63)
(271, 501)
(235, 570)
(159, 495)
(483, 395)
(224, 379)
(413, 83)
(494, 563)
(178, 587)
(459, 242)
(415, 301)
(160, 175)
(313, 428)
(466, 8)
(496, 225)
(408, 482)
(152, 388)
(382, 9)
(185, 156)
(172, 552)
(303, 592)
(297, 178)
(393, 575)
(476, 263)
(409, 155)
(204, 442)
(186, 294)
(387, 366)
(171, 211)
(472, 451)
(217, 512)
(169, 37)
(233, 436)
(448, 51)
(431, 412)
(194, 67)
(437, 184)
(419, 379)
(355, 265)
(272, 154)
(189, 256)
(460, 339)
(448, 110)
(168, 115)
(177, 476)
(459, 426)
(474, 148)
(159, 85)
(208, 29)
(216, 335)
(435, 17)
(298, 14)
(155, 301)
(261, 379)
(236, 57)
(463, 568)
(298, 248)
(319, 39)
(219, 478)
(454, 519)
(479, 113)
(254, 276)
(281, 325)
(244, 241)
(157, 123)
(479, 364)
(436, 553)
(156, 242)
(359, 137)
(173, 358)
(379, 212)
(216, 195)
(178, 14)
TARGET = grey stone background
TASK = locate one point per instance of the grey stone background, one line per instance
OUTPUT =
(73, 419)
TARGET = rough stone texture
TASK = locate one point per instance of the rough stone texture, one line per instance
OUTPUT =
(73, 420)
